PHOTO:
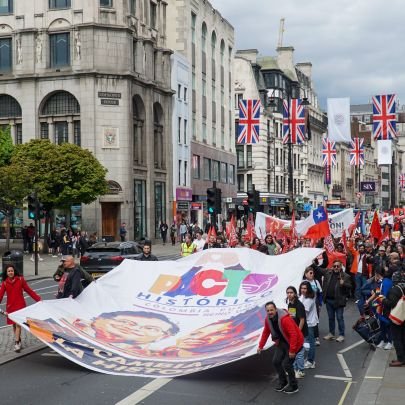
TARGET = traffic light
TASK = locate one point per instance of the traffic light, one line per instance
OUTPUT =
(211, 199)
(253, 200)
(41, 210)
(32, 207)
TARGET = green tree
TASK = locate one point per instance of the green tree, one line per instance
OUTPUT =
(6, 146)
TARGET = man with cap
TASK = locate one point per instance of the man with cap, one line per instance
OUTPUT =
(380, 261)
(147, 255)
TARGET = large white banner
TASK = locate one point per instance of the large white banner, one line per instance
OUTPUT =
(384, 152)
(268, 224)
(339, 119)
(167, 319)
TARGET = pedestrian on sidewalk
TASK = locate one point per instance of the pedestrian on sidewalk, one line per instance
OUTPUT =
(163, 231)
(14, 286)
(147, 255)
(38, 247)
(173, 233)
(72, 285)
(288, 340)
(123, 231)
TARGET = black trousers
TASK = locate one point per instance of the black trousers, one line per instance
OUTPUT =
(283, 364)
(398, 339)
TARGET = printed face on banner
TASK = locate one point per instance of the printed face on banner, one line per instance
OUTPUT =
(169, 318)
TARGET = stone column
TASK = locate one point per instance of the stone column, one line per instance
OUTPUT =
(71, 138)
(51, 131)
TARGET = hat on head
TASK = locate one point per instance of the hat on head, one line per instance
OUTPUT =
(381, 249)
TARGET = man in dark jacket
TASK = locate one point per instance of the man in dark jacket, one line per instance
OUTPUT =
(288, 340)
(72, 286)
(380, 261)
(146, 255)
(336, 288)
(397, 331)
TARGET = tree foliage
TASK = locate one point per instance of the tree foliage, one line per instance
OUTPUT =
(6, 146)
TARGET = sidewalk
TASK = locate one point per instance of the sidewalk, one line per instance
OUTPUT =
(382, 385)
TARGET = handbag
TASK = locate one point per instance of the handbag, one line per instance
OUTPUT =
(397, 314)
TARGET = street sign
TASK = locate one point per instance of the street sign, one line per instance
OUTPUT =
(182, 205)
(367, 186)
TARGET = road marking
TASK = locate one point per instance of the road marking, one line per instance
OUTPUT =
(351, 347)
(144, 392)
(50, 354)
(345, 392)
(371, 377)
(331, 377)
(343, 363)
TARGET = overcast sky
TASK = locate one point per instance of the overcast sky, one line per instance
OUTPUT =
(357, 47)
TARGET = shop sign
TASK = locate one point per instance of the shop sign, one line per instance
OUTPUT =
(195, 206)
(367, 186)
(184, 194)
(182, 206)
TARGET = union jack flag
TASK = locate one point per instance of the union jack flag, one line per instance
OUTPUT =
(402, 180)
(249, 122)
(357, 152)
(384, 117)
(293, 122)
(329, 152)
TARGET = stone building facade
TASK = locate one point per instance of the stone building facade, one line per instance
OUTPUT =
(205, 39)
(95, 73)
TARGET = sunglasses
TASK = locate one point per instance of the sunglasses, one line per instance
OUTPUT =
(336, 266)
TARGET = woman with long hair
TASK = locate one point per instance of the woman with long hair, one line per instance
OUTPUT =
(307, 297)
(14, 286)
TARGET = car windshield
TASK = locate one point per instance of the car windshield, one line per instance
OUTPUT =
(103, 249)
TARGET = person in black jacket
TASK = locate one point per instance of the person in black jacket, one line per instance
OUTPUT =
(397, 331)
(146, 255)
(72, 286)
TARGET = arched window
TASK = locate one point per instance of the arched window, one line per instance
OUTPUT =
(204, 37)
(158, 151)
(10, 116)
(213, 50)
(59, 118)
(139, 147)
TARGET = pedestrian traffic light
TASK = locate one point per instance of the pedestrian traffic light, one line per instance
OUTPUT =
(211, 199)
(32, 207)
(253, 200)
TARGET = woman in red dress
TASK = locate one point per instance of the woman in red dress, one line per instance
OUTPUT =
(14, 286)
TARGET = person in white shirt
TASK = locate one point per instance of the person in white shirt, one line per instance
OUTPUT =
(199, 242)
(307, 297)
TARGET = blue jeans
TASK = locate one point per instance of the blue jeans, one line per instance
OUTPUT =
(359, 280)
(311, 340)
(299, 360)
(332, 313)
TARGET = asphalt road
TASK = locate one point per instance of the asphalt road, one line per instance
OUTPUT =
(46, 378)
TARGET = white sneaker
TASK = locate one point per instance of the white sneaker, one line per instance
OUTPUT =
(388, 346)
(308, 364)
(299, 374)
(381, 345)
(41, 259)
(317, 342)
(329, 336)
(17, 347)
(32, 259)
(340, 339)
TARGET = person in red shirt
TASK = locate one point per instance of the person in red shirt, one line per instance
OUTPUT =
(288, 340)
(14, 286)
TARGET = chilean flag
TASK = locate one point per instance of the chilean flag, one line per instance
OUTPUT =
(316, 226)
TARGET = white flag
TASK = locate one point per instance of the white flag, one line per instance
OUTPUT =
(339, 119)
(384, 152)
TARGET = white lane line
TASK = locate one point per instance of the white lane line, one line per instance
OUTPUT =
(331, 377)
(351, 347)
(371, 377)
(345, 392)
(50, 354)
(343, 363)
(144, 392)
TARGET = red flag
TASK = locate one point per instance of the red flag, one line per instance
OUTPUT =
(353, 226)
(344, 240)
(233, 239)
(386, 235)
(211, 231)
(333, 256)
(328, 244)
(375, 228)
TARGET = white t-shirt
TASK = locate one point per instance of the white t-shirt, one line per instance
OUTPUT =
(310, 311)
(199, 243)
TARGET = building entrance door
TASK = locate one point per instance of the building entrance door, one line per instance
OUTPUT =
(110, 220)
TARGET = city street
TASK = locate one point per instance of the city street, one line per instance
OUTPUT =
(44, 377)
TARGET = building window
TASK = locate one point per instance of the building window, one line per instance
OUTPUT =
(61, 132)
(160, 205)
(5, 55)
(185, 173)
(9, 107)
(240, 155)
(59, 4)
(207, 168)
(185, 94)
(153, 8)
(44, 130)
(193, 24)
(302, 187)
(179, 173)
(61, 103)
(238, 99)
(231, 174)
(60, 49)
(215, 170)
(179, 91)
(77, 139)
(185, 132)
(204, 132)
(249, 182)
(249, 159)
(214, 136)
(132, 7)
(179, 130)
(241, 182)
(138, 116)
(194, 123)
(18, 134)
(140, 229)
(106, 3)
(224, 172)
(159, 155)
(196, 167)
(6, 6)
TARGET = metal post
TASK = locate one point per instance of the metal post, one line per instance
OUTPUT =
(36, 237)
(290, 177)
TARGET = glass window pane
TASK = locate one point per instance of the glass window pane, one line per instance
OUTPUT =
(60, 49)
(59, 3)
(61, 132)
(5, 55)
(6, 6)
(106, 3)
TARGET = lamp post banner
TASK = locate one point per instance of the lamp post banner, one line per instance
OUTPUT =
(339, 119)
(169, 318)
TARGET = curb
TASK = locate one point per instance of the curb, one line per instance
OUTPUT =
(373, 380)
(7, 358)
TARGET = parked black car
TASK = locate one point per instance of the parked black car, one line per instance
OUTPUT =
(102, 257)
